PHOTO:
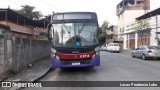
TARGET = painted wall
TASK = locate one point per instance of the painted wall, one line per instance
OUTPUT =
(127, 17)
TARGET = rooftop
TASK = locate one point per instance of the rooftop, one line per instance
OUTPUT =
(12, 16)
(150, 14)
(4, 27)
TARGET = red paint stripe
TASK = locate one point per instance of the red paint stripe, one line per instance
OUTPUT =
(75, 56)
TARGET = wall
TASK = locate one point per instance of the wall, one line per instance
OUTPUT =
(126, 18)
(16, 53)
(5, 52)
(24, 31)
(26, 51)
(152, 23)
(1, 56)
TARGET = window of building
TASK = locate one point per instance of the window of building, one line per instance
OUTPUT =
(131, 2)
(140, 2)
(111, 37)
(123, 29)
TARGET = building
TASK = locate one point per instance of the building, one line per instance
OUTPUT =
(4, 53)
(21, 26)
(111, 34)
(18, 42)
(127, 11)
(146, 30)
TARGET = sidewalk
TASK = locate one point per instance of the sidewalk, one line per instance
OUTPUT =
(38, 70)
(127, 52)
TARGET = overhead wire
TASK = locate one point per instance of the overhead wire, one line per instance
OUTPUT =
(50, 5)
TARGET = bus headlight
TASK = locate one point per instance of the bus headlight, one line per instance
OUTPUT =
(93, 56)
(57, 57)
(52, 55)
(97, 53)
(53, 50)
(97, 49)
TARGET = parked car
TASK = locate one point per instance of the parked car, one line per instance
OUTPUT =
(103, 48)
(113, 47)
(146, 51)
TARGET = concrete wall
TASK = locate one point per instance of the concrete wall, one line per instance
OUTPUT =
(16, 53)
(26, 51)
(128, 16)
(154, 39)
(1, 55)
(5, 52)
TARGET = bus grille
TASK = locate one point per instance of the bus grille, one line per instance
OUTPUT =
(68, 62)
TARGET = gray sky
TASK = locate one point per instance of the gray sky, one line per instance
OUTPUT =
(105, 9)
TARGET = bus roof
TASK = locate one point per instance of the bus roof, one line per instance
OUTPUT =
(75, 12)
(74, 15)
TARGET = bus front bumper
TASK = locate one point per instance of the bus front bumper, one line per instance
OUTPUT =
(94, 62)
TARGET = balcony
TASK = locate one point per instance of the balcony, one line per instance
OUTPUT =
(109, 33)
(140, 25)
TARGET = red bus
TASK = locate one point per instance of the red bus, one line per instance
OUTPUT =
(74, 39)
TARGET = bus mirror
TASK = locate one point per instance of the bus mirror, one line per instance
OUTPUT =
(49, 28)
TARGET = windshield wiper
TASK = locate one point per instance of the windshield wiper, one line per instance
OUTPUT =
(84, 24)
(66, 28)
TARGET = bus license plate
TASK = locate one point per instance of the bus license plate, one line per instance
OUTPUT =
(76, 63)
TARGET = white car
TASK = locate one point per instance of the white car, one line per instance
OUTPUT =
(113, 47)
(103, 48)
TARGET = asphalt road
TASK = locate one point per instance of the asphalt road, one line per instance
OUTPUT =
(114, 67)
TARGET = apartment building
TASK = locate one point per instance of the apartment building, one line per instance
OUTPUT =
(127, 11)
(111, 34)
(147, 32)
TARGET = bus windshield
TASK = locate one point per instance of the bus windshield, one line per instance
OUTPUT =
(74, 34)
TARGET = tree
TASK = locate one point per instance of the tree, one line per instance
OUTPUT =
(102, 37)
(104, 26)
(47, 18)
(142, 24)
(42, 36)
(28, 12)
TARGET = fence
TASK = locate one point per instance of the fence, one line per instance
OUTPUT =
(16, 53)
(27, 51)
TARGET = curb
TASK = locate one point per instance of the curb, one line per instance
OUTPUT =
(34, 80)
(126, 52)
(42, 75)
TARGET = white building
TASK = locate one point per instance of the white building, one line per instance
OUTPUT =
(127, 11)
(145, 33)
(111, 34)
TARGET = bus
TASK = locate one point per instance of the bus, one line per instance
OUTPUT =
(74, 39)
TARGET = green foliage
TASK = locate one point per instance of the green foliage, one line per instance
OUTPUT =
(42, 36)
(142, 24)
(102, 37)
(47, 18)
(28, 12)
(104, 26)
